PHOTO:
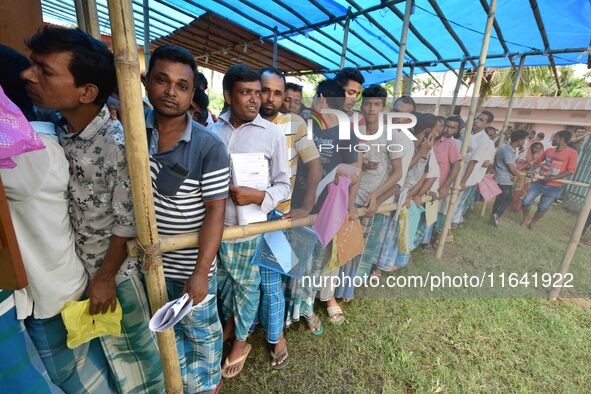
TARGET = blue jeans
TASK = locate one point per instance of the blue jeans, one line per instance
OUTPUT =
(548, 195)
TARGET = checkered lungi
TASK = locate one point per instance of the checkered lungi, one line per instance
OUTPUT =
(272, 308)
(300, 294)
(17, 372)
(199, 340)
(238, 284)
(464, 203)
(133, 357)
(81, 370)
(361, 265)
(387, 253)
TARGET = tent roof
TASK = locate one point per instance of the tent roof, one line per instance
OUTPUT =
(209, 32)
(442, 33)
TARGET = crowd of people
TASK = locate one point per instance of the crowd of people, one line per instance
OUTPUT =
(72, 208)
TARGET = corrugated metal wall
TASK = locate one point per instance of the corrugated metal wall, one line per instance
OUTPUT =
(574, 195)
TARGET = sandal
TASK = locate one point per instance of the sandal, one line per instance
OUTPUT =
(315, 325)
(281, 355)
(240, 360)
(336, 315)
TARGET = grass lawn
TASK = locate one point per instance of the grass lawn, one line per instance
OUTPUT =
(467, 341)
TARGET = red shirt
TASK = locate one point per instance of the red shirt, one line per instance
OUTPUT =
(446, 153)
(554, 162)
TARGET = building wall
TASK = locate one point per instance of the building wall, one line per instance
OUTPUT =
(19, 21)
(543, 114)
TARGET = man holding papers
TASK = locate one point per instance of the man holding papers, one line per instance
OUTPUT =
(244, 131)
(190, 176)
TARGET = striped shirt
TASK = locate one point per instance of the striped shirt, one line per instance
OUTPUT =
(179, 199)
(298, 145)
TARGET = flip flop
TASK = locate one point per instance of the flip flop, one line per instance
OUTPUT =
(315, 325)
(240, 360)
(336, 315)
(279, 356)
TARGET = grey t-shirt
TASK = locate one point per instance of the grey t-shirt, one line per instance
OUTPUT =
(381, 151)
(505, 156)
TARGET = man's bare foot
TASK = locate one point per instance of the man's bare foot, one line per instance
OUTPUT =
(525, 223)
(376, 273)
(279, 355)
(232, 365)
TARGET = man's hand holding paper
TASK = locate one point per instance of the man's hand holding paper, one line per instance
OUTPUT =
(244, 195)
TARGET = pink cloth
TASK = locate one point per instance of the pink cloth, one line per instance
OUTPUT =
(488, 188)
(16, 134)
(333, 212)
(446, 153)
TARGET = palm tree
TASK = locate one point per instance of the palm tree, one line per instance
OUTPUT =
(535, 81)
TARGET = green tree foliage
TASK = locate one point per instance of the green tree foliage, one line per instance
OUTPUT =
(534, 81)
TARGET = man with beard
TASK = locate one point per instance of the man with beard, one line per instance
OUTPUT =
(243, 130)
(299, 147)
(556, 163)
(190, 173)
(292, 102)
(448, 157)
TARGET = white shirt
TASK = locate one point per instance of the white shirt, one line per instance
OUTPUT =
(258, 136)
(481, 149)
(37, 193)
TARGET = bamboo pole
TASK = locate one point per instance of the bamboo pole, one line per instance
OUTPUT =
(428, 63)
(132, 114)
(511, 101)
(457, 88)
(275, 32)
(345, 39)
(571, 248)
(468, 132)
(438, 103)
(402, 48)
(146, 8)
(507, 116)
(191, 240)
(87, 16)
(566, 182)
(411, 76)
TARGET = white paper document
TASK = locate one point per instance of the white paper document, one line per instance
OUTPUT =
(250, 170)
(172, 312)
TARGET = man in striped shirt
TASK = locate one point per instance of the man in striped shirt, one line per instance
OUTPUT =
(190, 176)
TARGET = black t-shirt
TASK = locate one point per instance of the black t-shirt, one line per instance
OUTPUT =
(333, 152)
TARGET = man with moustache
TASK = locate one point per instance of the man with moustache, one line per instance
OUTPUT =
(243, 130)
(449, 158)
(301, 150)
(75, 74)
(190, 176)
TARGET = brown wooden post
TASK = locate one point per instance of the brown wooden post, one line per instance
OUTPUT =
(471, 115)
(402, 48)
(132, 114)
(571, 248)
